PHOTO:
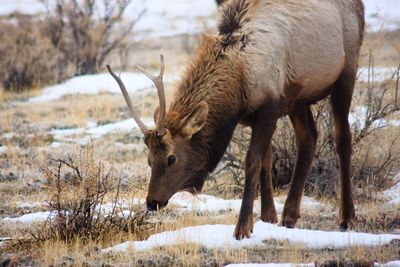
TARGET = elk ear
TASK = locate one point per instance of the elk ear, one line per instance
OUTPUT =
(156, 115)
(195, 121)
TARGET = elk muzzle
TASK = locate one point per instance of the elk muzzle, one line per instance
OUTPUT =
(154, 205)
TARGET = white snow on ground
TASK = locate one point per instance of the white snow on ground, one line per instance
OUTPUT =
(160, 18)
(393, 194)
(386, 12)
(376, 74)
(207, 203)
(29, 218)
(203, 203)
(95, 84)
(36, 217)
(358, 115)
(271, 265)
(184, 201)
(125, 125)
(389, 264)
(93, 131)
(169, 18)
(23, 6)
(214, 236)
(3, 150)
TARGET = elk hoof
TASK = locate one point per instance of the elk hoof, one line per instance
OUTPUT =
(289, 220)
(269, 217)
(243, 230)
(346, 220)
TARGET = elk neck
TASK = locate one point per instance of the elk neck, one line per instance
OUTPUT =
(216, 76)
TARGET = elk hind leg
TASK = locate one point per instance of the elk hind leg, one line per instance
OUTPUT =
(341, 101)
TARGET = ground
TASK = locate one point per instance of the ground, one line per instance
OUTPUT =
(88, 113)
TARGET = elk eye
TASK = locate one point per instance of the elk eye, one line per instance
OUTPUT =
(171, 160)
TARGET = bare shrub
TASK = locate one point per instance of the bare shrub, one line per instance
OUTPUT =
(74, 38)
(27, 57)
(86, 32)
(79, 190)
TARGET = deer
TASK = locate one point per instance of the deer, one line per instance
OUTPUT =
(270, 59)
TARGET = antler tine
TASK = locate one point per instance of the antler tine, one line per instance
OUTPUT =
(158, 81)
(125, 93)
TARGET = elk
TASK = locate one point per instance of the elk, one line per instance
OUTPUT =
(270, 59)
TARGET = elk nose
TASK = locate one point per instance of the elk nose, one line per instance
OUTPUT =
(152, 205)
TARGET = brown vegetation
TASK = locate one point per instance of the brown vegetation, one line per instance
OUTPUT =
(73, 38)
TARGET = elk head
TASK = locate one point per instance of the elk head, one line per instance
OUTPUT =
(172, 153)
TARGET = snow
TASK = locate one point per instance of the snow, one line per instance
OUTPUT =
(93, 131)
(389, 264)
(204, 203)
(211, 204)
(3, 150)
(184, 202)
(106, 208)
(358, 115)
(214, 236)
(125, 125)
(23, 6)
(169, 18)
(271, 265)
(382, 11)
(393, 193)
(29, 218)
(377, 74)
(92, 84)
(60, 133)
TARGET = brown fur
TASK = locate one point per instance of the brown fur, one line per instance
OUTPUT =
(260, 67)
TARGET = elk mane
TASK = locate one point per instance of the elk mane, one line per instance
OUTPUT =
(233, 17)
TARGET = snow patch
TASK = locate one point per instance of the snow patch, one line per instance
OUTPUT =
(378, 12)
(393, 193)
(376, 74)
(106, 208)
(213, 236)
(212, 204)
(3, 150)
(22, 6)
(389, 264)
(30, 218)
(125, 125)
(169, 18)
(93, 131)
(271, 265)
(359, 114)
(94, 84)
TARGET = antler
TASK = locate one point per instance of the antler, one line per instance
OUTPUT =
(158, 81)
(135, 116)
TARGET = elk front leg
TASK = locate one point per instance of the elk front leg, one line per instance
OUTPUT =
(268, 211)
(341, 101)
(262, 130)
(306, 138)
